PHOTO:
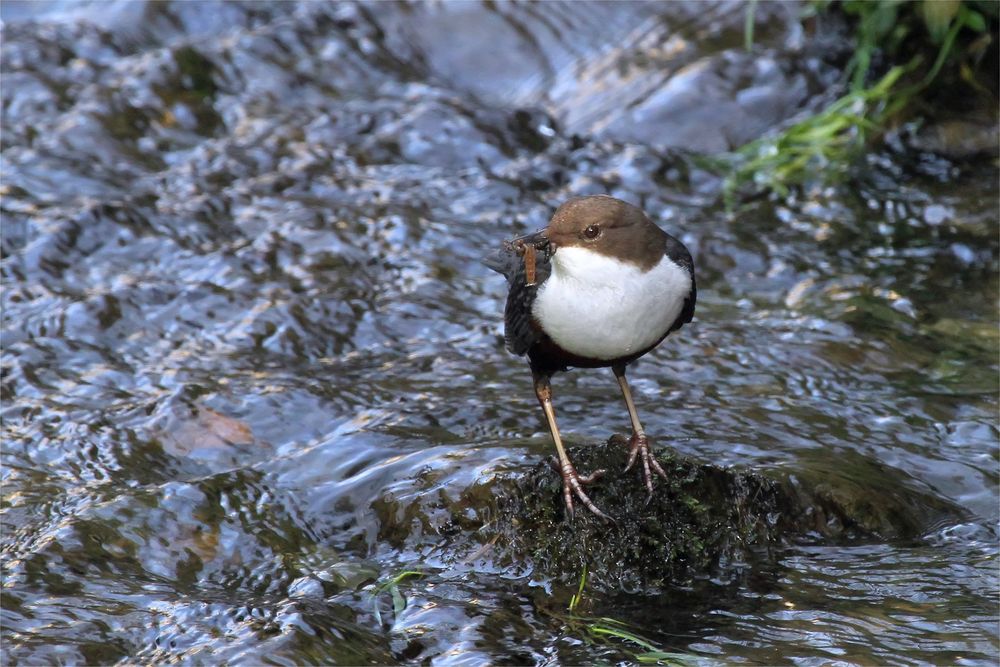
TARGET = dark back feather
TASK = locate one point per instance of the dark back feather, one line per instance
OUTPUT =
(677, 252)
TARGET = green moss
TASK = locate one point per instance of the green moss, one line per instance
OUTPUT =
(693, 519)
(698, 520)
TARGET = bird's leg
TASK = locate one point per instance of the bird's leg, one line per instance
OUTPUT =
(638, 444)
(572, 482)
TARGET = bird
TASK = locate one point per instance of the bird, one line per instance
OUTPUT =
(599, 287)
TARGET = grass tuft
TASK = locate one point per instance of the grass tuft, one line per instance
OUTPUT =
(823, 146)
(823, 143)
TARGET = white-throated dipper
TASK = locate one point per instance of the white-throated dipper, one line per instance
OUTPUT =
(600, 286)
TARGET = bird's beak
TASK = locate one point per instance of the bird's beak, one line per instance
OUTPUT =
(528, 247)
(539, 240)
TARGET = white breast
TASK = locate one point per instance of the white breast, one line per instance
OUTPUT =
(602, 308)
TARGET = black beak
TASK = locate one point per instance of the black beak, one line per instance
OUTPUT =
(529, 247)
(508, 259)
(538, 240)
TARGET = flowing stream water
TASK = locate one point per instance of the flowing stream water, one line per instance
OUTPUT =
(253, 370)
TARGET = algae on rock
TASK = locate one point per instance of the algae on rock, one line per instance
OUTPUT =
(704, 520)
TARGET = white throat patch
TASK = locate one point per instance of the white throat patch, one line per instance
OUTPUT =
(602, 308)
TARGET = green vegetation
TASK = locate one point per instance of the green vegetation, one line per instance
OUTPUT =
(392, 585)
(825, 142)
(601, 630)
(904, 33)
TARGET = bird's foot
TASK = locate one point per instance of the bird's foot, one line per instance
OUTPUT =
(573, 484)
(639, 449)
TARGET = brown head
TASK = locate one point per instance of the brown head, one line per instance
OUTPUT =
(608, 226)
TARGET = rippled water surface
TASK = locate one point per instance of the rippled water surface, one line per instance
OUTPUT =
(253, 369)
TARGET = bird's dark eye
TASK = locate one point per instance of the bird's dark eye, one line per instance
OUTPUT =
(592, 232)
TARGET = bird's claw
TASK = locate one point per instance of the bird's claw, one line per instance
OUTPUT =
(639, 448)
(592, 477)
(573, 484)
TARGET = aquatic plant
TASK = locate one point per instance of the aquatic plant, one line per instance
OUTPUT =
(392, 585)
(602, 629)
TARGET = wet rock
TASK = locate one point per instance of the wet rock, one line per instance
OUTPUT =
(697, 517)
(959, 139)
(712, 106)
(672, 81)
(703, 521)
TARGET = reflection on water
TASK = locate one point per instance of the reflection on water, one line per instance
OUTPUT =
(251, 365)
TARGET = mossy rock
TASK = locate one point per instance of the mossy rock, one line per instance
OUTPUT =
(704, 520)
